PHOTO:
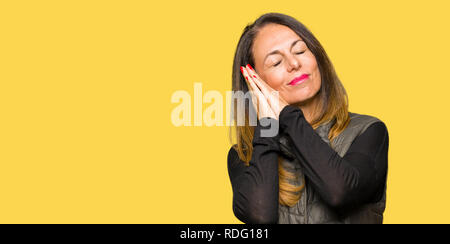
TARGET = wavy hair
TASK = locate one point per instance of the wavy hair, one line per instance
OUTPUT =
(332, 105)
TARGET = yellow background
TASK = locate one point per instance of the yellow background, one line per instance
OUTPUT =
(85, 88)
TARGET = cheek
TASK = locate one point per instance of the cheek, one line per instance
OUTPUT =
(312, 66)
(310, 61)
(317, 74)
(274, 79)
(317, 79)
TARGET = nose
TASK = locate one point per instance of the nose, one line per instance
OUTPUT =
(293, 63)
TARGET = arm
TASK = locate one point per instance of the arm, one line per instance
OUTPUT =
(342, 182)
(255, 187)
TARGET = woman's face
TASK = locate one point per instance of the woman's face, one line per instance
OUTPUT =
(280, 56)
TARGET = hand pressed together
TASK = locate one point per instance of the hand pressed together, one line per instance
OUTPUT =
(266, 101)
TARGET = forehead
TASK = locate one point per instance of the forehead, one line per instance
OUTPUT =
(273, 36)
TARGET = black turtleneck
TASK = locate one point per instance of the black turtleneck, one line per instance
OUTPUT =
(342, 182)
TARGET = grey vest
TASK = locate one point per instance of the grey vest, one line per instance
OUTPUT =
(311, 209)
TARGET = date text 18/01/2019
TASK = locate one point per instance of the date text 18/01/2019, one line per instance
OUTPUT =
(227, 234)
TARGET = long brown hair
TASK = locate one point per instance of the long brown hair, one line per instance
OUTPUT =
(333, 99)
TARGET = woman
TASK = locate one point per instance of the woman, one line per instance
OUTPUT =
(325, 164)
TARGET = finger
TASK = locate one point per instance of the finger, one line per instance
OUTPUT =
(245, 75)
(275, 100)
(249, 80)
(253, 89)
(253, 77)
(254, 80)
(264, 105)
(266, 110)
(263, 86)
(272, 96)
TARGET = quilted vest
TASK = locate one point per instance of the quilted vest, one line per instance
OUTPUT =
(311, 209)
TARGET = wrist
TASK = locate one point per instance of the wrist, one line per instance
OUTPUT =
(267, 127)
(286, 115)
(266, 134)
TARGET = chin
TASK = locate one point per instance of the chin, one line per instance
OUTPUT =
(300, 98)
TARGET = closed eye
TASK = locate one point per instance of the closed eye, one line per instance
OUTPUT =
(298, 53)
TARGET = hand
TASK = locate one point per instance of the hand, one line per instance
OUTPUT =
(269, 101)
(260, 103)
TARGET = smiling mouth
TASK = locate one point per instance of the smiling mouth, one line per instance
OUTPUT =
(299, 80)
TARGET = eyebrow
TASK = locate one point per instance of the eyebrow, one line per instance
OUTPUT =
(277, 51)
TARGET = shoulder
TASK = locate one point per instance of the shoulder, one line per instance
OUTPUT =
(363, 122)
(232, 153)
(233, 159)
(235, 165)
(371, 138)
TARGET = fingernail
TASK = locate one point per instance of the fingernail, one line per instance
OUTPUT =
(250, 67)
(242, 70)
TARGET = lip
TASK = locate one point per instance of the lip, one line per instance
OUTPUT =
(298, 80)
